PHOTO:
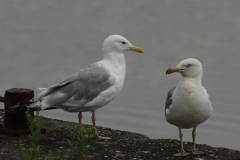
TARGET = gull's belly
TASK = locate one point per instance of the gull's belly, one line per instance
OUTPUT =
(189, 113)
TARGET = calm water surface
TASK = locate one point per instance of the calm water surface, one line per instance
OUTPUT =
(42, 42)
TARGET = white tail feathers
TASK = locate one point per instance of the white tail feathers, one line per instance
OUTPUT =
(45, 91)
(41, 88)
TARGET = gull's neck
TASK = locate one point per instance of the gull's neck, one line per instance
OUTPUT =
(196, 80)
(116, 61)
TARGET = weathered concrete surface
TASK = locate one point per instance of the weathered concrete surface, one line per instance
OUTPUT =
(123, 145)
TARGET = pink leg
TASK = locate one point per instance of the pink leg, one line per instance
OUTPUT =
(194, 151)
(94, 125)
(182, 152)
(80, 118)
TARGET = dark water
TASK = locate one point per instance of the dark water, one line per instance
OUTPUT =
(42, 42)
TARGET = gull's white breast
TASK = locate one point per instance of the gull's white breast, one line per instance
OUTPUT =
(117, 77)
(190, 105)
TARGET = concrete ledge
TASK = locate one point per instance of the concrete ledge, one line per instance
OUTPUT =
(123, 145)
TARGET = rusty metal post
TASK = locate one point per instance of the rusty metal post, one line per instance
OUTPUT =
(15, 122)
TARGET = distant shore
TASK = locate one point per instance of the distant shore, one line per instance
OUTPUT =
(123, 145)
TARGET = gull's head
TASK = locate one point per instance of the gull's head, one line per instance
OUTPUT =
(119, 44)
(190, 67)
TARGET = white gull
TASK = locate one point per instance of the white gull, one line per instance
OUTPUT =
(188, 104)
(92, 87)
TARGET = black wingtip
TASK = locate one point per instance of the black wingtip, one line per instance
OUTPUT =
(24, 108)
(20, 109)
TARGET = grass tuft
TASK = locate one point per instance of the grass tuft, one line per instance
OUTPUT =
(79, 142)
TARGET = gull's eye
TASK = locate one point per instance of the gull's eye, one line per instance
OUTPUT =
(189, 65)
(124, 43)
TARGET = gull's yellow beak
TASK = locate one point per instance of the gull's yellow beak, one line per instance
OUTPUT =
(172, 69)
(137, 49)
